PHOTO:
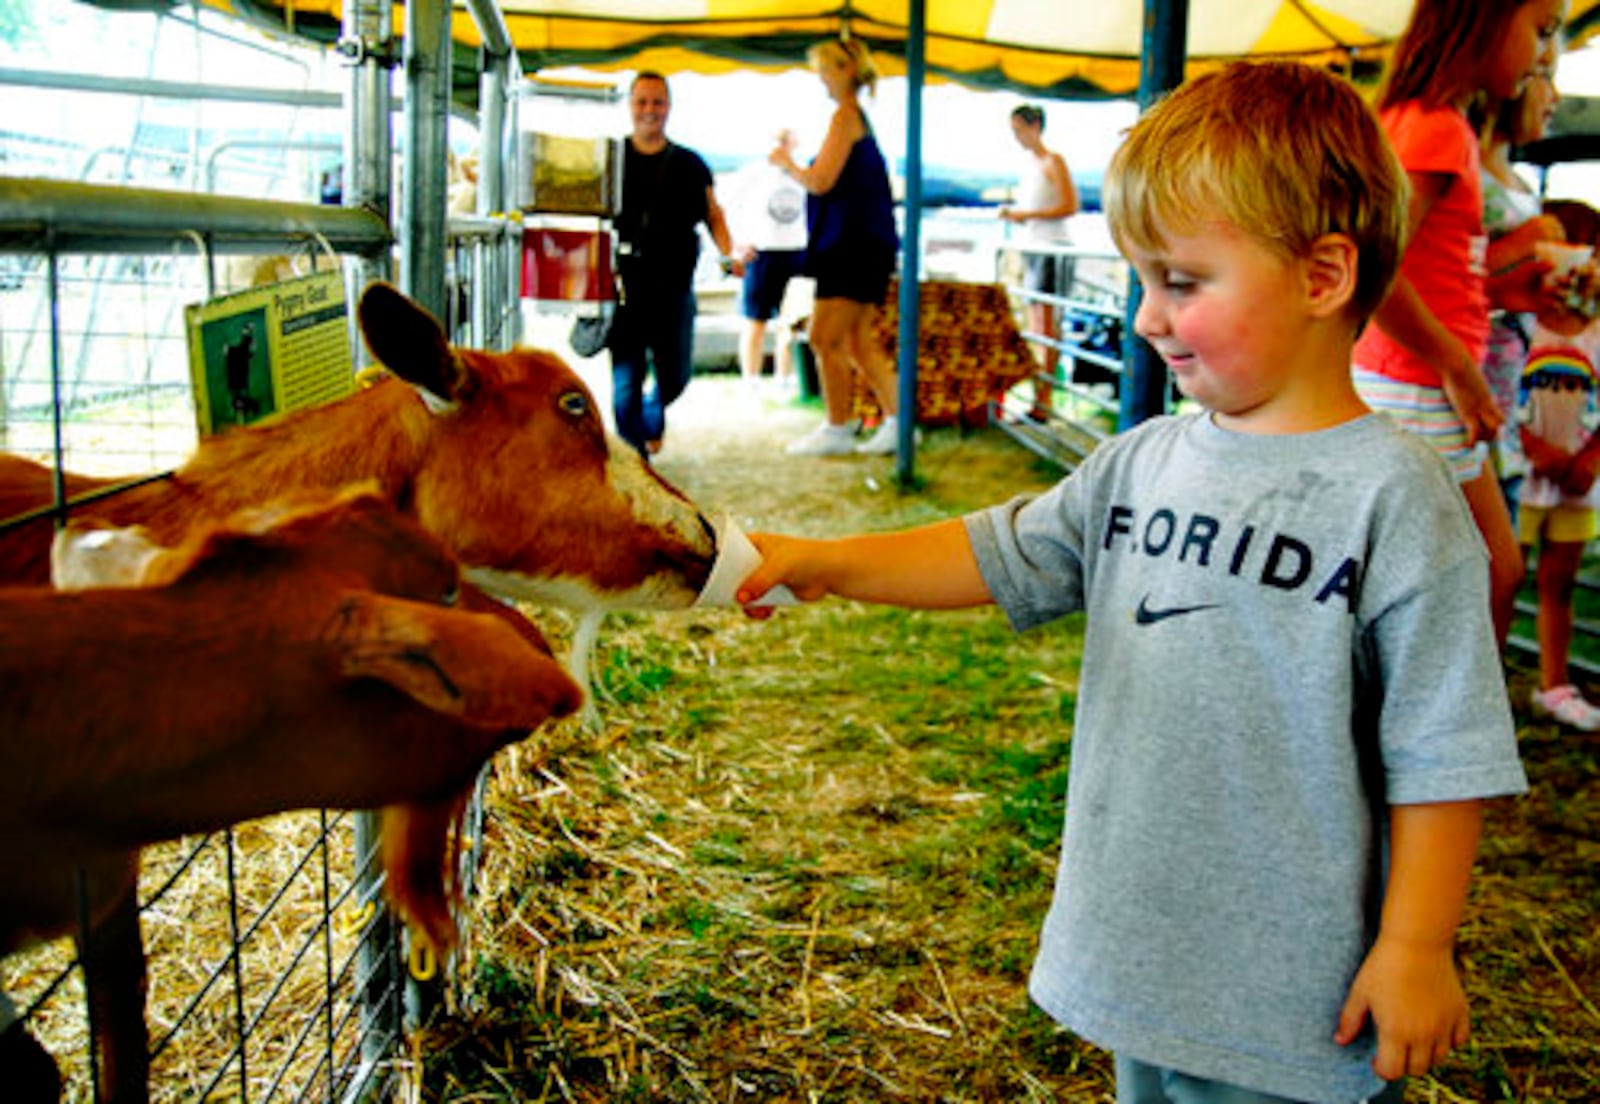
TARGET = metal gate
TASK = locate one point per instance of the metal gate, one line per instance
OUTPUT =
(275, 971)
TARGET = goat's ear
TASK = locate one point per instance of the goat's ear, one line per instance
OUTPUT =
(410, 343)
(471, 666)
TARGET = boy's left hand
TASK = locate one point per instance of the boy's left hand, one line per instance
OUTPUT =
(1414, 998)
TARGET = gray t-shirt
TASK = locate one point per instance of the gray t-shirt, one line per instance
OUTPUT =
(1285, 634)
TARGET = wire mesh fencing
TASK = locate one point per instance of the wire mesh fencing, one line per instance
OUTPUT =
(275, 973)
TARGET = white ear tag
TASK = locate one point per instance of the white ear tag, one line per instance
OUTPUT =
(434, 403)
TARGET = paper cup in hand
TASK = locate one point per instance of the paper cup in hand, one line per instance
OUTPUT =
(1564, 258)
(736, 559)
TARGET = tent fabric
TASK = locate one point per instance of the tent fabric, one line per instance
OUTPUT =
(1066, 48)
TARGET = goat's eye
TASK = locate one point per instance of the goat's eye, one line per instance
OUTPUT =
(452, 597)
(575, 403)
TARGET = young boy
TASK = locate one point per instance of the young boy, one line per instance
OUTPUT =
(1291, 702)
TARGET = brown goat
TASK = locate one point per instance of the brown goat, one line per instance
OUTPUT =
(502, 456)
(328, 657)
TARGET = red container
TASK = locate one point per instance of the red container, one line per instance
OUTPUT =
(571, 266)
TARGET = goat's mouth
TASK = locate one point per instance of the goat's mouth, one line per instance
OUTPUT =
(696, 571)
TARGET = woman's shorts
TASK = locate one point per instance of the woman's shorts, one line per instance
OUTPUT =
(765, 279)
(1566, 523)
(1426, 412)
(861, 279)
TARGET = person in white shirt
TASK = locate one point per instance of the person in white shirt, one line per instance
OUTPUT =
(1045, 198)
(768, 211)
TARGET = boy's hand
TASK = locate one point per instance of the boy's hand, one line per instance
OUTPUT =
(792, 561)
(1415, 1000)
(928, 567)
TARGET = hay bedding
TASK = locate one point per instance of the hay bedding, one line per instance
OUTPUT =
(189, 932)
(754, 884)
(791, 865)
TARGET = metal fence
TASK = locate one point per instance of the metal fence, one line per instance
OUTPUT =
(275, 971)
(1082, 367)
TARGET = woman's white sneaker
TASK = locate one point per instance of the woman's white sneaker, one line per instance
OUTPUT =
(886, 440)
(825, 440)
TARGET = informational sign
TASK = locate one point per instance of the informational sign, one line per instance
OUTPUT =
(269, 350)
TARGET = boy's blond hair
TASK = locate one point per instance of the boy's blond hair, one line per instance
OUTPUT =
(1284, 152)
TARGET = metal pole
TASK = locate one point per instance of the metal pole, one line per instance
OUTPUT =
(424, 186)
(97, 218)
(1144, 376)
(423, 176)
(493, 84)
(911, 258)
(368, 47)
(173, 90)
(58, 476)
(492, 88)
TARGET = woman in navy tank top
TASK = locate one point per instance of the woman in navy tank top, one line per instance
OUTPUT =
(851, 251)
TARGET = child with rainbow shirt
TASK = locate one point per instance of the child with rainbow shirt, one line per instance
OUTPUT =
(1557, 409)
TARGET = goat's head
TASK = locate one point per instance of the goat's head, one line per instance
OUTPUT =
(539, 503)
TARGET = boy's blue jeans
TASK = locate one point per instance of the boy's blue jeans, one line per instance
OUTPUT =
(1138, 1083)
(658, 340)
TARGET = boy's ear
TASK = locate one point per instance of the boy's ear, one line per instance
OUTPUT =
(1331, 269)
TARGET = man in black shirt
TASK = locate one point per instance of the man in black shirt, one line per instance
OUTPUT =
(667, 192)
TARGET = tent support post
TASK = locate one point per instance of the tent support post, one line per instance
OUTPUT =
(911, 257)
(1144, 380)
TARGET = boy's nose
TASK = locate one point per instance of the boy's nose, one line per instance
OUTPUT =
(1148, 319)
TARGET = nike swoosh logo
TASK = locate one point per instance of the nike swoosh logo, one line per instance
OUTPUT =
(1144, 615)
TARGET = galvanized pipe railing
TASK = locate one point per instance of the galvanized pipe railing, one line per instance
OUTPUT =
(70, 217)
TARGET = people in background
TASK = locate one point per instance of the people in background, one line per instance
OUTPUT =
(1558, 420)
(850, 251)
(1045, 198)
(1421, 361)
(1512, 218)
(1290, 704)
(767, 209)
(667, 192)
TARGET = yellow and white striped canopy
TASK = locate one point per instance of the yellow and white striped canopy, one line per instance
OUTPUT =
(1061, 47)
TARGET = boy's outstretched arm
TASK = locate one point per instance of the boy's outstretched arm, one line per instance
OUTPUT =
(1408, 983)
(930, 567)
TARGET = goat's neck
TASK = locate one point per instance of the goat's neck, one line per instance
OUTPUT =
(376, 435)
